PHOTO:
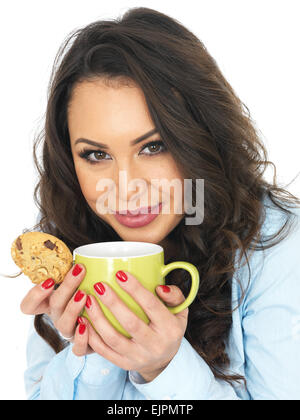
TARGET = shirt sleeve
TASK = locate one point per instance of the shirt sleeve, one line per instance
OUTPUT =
(271, 323)
(90, 377)
(194, 380)
(38, 355)
(65, 376)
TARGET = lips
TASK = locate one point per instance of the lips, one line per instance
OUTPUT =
(137, 219)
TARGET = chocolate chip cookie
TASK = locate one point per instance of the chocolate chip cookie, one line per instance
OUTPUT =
(41, 256)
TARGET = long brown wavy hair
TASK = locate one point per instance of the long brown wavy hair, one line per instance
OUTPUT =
(209, 132)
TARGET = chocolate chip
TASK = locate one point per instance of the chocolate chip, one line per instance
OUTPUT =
(49, 244)
(19, 243)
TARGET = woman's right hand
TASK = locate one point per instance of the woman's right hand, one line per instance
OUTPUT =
(62, 305)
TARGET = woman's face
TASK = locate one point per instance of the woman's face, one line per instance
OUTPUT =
(115, 115)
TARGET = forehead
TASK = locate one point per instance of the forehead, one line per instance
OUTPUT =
(108, 109)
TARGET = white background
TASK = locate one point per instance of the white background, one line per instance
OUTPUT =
(256, 45)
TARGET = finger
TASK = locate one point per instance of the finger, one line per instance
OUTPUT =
(37, 299)
(99, 346)
(137, 328)
(64, 293)
(173, 296)
(112, 340)
(67, 322)
(80, 344)
(155, 310)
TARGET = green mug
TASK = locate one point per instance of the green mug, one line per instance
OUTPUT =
(144, 260)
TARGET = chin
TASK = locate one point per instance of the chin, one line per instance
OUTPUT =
(139, 235)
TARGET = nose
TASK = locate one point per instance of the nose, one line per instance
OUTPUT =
(130, 188)
(130, 183)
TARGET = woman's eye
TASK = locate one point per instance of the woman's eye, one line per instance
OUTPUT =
(154, 147)
(98, 155)
(93, 156)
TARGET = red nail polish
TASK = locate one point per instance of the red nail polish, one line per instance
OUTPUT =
(166, 289)
(99, 288)
(79, 295)
(48, 283)
(88, 302)
(82, 328)
(121, 276)
(80, 320)
(76, 270)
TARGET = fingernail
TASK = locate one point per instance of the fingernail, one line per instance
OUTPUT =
(88, 302)
(48, 283)
(80, 320)
(76, 270)
(99, 288)
(121, 276)
(166, 289)
(82, 328)
(79, 295)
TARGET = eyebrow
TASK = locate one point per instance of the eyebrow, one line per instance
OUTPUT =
(105, 146)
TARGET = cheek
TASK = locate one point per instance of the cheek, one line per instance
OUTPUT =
(87, 182)
(171, 173)
(164, 169)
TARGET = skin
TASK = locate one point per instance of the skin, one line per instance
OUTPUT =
(115, 114)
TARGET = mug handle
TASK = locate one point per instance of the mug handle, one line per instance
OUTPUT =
(194, 287)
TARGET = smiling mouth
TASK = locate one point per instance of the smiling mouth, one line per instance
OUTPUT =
(140, 219)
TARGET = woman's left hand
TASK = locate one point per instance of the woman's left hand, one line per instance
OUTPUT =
(152, 346)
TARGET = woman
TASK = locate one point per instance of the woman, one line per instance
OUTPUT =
(142, 95)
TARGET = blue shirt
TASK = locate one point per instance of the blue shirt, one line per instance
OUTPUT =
(263, 346)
